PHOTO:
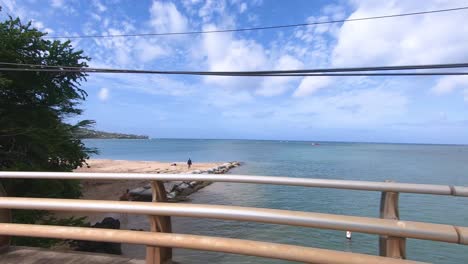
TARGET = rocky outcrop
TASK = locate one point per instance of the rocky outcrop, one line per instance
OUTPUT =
(180, 190)
(100, 247)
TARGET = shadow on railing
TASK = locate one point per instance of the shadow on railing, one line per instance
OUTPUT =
(392, 231)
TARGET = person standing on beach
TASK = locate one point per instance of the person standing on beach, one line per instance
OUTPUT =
(189, 163)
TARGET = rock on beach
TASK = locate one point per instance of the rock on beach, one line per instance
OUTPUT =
(179, 190)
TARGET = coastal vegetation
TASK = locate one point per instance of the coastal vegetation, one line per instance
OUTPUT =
(34, 107)
(84, 133)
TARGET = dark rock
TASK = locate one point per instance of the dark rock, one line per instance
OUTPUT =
(171, 195)
(186, 191)
(193, 183)
(171, 186)
(183, 186)
(179, 190)
(100, 247)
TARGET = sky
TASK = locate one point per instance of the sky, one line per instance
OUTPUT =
(371, 109)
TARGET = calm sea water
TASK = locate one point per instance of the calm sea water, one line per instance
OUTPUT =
(435, 164)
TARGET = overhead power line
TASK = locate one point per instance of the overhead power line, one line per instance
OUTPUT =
(258, 28)
(244, 75)
(350, 71)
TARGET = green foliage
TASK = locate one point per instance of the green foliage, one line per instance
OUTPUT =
(48, 220)
(33, 107)
(89, 133)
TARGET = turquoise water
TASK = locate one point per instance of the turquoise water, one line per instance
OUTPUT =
(436, 164)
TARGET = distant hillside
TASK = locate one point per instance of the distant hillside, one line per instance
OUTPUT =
(89, 133)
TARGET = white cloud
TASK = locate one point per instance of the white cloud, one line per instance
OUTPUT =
(146, 84)
(57, 3)
(310, 85)
(9, 4)
(240, 55)
(63, 5)
(99, 6)
(229, 98)
(190, 3)
(356, 108)
(37, 24)
(229, 52)
(96, 16)
(119, 46)
(243, 7)
(271, 86)
(148, 51)
(191, 6)
(140, 51)
(449, 84)
(40, 26)
(103, 94)
(48, 30)
(430, 38)
(210, 8)
(222, 52)
(166, 18)
(336, 12)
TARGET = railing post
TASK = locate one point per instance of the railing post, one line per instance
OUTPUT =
(389, 246)
(5, 217)
(159, 255)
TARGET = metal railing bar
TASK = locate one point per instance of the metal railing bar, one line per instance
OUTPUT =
(397, 228)
(206, 243)
(276, 180)
(462, 234)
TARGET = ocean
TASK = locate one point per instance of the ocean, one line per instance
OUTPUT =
(409, 163)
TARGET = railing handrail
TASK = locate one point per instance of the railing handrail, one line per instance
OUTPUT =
(408, 229)
(208, 243)
(275, 180)
(392, 231)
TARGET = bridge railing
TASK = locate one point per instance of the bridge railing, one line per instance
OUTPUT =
(393, 232)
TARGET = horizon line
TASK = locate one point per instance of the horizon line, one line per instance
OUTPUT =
(288, 140)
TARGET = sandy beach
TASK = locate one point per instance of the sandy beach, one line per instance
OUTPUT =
(112, 190)
(121, 166)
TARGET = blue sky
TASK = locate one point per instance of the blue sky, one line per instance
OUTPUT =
(398, 109)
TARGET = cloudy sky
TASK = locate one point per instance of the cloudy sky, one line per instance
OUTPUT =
(377, 109)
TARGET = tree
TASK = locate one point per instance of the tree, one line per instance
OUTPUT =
(33, 108)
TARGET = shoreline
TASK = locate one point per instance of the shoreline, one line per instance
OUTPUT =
(177, 191)
(141, 166)
(113, 190)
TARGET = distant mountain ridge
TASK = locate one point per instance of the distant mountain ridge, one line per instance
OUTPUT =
(89, 133)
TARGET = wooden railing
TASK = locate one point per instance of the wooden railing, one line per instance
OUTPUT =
(393, 232)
